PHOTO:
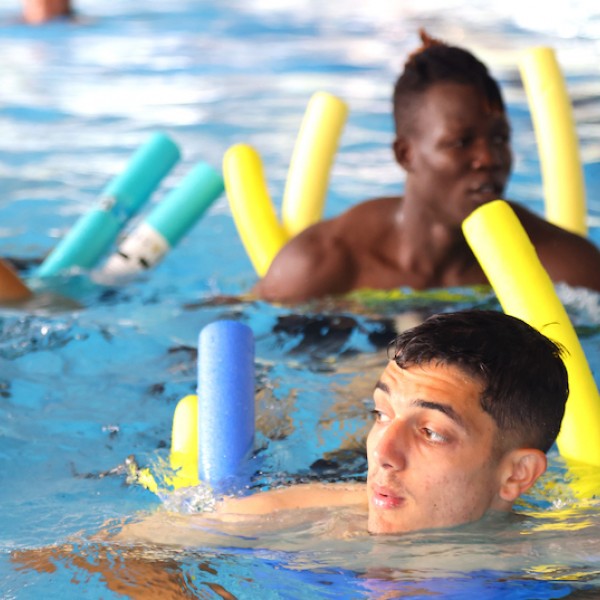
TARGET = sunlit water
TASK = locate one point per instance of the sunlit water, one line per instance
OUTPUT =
(82, 390)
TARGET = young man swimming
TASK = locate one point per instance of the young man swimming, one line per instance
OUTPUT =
(465, 411)
(452, 139)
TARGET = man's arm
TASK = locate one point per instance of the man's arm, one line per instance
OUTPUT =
(165, 528)
(295, 497)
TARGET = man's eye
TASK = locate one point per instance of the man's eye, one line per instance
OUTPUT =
(462, 141)
(379, 416)
(501, 139)
(433, 436)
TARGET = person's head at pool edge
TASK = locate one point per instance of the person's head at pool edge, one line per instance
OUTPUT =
(465, 412)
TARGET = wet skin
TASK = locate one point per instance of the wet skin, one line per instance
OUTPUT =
(432, 461)
(457, 155)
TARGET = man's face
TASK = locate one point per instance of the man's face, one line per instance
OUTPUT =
(430, 451)
(458, 153)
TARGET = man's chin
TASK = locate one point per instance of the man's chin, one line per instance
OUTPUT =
(479, 200)
(381, 527)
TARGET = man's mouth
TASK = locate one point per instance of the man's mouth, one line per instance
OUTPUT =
(383, 497)
(489, 190)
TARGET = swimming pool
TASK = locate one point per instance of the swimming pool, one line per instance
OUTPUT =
(83, 389)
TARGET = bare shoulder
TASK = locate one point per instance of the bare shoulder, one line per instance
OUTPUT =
(568, 257)
(322, 259)
(308, 266)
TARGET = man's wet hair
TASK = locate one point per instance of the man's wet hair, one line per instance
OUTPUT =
(437, 62)
(525, 382)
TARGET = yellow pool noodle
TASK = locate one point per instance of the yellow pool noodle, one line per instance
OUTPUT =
(184, 443)
(251, 206)
(525, 290)
(183, 458)
(312, 159)
(556, 135)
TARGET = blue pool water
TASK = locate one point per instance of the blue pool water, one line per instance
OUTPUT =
(82, 389)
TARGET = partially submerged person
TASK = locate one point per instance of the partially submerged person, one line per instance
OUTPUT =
(36, 12)
(16, 293)
(12, 288)
(462, 426)
(453, 142)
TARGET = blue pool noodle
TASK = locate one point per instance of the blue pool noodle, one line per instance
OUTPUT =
(179, 211)
(226, 416)
(91, 237)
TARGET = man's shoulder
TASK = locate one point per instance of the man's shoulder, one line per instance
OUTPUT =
(540, 230)
(362, 222)
(376, 207)
(567, 256)
(351, 226)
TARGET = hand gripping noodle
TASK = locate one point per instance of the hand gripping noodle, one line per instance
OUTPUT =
(312, 159)
(170, 220)
(255, 217)
(92, 235)
(525, 290)
(558, 146)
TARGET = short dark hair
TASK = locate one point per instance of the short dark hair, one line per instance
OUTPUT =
(437, 62)
(525, 381)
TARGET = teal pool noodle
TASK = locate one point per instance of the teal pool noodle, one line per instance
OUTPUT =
(226, 415)
(91, 237)
(181, 209)
(170, 220)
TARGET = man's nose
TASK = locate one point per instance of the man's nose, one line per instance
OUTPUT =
(485, 155)
(390, 451)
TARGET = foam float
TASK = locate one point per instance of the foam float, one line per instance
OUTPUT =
(557, 142)
(167, 223)
(260, 230)
(93, 234)
(525, 290)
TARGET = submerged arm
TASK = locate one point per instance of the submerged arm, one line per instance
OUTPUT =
(248, 515)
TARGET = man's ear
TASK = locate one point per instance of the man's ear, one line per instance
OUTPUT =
(520, 469)
(402, 152)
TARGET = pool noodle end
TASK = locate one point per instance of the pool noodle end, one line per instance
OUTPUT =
(184, 443)
(311, 163)
(167, 223)
(92, 235)
(258, 226)
(145, 170)
(181, 209)
(226, 417)
(525, 290)
(557, 142)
